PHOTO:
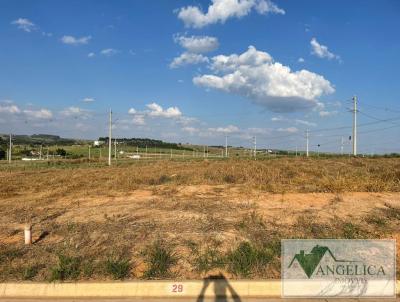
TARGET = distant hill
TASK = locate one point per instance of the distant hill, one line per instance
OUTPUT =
(150, 143)
(39, 139)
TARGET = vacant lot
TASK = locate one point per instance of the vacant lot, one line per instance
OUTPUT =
(187, 219)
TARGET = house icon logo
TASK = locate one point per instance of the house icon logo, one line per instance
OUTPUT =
(309, 262)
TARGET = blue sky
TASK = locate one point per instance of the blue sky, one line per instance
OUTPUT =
(195, 71)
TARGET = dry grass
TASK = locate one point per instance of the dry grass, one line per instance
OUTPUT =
(107, 223)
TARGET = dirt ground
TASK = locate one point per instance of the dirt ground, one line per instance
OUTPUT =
(201, 225)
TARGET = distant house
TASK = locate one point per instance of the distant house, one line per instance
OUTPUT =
(98, 143)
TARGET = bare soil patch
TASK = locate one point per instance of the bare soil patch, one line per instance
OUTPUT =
(122, 223)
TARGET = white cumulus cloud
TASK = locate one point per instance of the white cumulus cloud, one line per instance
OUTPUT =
(221, 10)
(188, 58)
(157, 111)
(138, 120)
(255, 75)
(25, 24)
(228, 129)
(321, 51)
(71, 40)
(197, 44)
(11, 109)
(75, 112)
(38, 114)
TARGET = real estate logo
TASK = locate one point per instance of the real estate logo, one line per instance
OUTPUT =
(338, 268)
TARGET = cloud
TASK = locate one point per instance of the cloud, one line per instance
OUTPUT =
(197, 44)
(11, 109)
(71, 40)
(157, 111)
(227, 130)
(306, 123)
(154, 110)
(278, 119)
(296, 121)
(88, 100)
(221, 10)
(188, 58)
(190, 130)
(75, 112)
(301, 60)
(38, 114)
(109, 52)
(321, 51)
(25, 24)
(289, 129)
(132, 111)
(327, 113)
(255, 75)
(91, 54)
(138, 120)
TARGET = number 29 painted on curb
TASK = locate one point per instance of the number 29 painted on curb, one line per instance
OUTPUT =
(177, 288)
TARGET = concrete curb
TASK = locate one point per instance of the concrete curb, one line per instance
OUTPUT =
(145, 289)
(150, 289)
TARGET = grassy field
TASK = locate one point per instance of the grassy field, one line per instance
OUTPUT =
(186, 218)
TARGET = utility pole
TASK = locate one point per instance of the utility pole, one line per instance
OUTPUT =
(109, 138)
(341, 146)
(115, 149)
(307, 137)
(10, 151)
(226, 145)
(255, 146)
(354, 125)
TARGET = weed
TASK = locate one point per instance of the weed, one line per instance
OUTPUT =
(379, 221)
(352, 231)
(248, 259)
(160, 180)
(68, 268)
(338, 198)
(392, 212)
(211, 258)
(30, 272)
(88, 268)
(118, 268)
(7, 254)
(159, 258)
(231, 179)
